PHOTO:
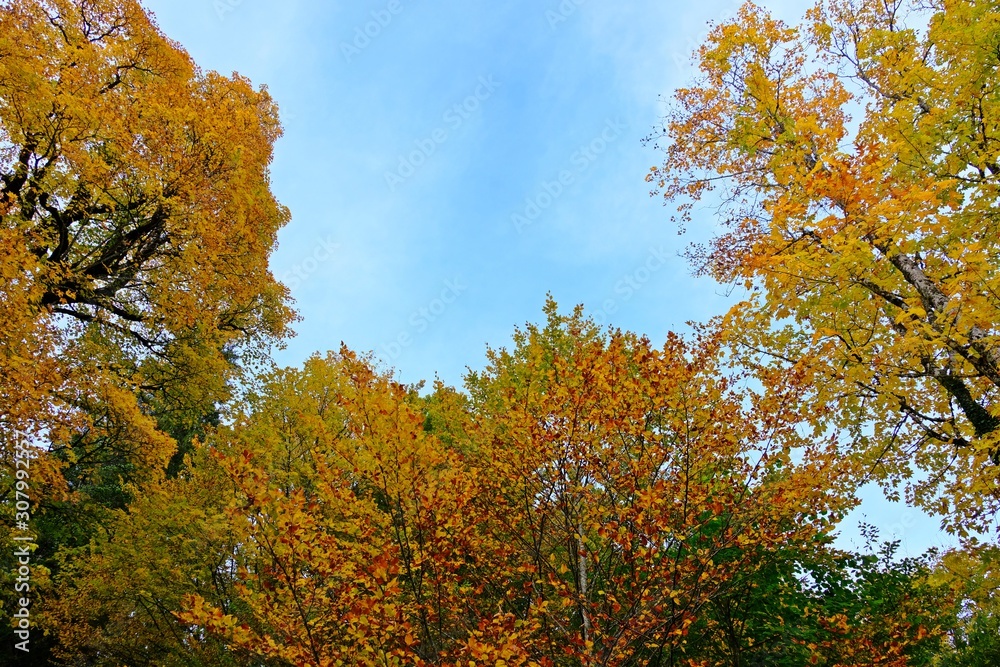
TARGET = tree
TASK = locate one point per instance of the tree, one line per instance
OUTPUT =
(582, 505)
(869, 247)
(639, 485)
(137, 213)
(359, 540)
(115, 599)
(973, 575)
(591, 500)
(824, 606)
(136, 220)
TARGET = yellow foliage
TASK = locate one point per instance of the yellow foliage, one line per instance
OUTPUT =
(871, 245)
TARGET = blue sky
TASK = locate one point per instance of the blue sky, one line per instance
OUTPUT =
(448, 163)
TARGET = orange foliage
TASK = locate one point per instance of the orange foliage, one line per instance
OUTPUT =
(596, 494)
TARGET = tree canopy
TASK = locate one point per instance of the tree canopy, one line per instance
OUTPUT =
(590, 497)
(137, 221)
(137, 214)
(854, 161)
